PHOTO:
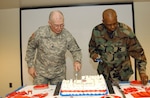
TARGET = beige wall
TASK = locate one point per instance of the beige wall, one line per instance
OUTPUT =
(142, 27)
(10, 43)
(9, 50)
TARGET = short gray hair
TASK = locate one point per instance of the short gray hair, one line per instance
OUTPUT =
(53, 12)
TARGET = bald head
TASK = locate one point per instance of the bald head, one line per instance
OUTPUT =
(110, 19)
(56, 16)
(109, 13)
(56, 21)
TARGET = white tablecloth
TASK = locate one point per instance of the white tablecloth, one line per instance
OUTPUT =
(51, 90)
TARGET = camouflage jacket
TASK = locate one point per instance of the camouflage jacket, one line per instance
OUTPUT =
(46, 49)
(115, 52)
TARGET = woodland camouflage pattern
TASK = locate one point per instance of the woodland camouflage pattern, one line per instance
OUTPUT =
(51, 49)
(116, 51)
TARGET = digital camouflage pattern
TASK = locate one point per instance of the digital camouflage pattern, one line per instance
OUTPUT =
(116, 51)
(46, 52)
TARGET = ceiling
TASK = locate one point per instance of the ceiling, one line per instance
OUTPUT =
(7, 4)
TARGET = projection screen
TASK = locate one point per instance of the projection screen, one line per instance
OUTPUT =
(79, 20)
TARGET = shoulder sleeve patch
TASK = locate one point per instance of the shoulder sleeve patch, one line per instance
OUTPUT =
(127, 30)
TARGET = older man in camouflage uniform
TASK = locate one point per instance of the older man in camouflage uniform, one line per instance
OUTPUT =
(46, 51)
(115, 42)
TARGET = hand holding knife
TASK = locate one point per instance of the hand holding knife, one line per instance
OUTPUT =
(77, 67)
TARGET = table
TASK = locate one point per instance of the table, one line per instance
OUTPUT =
(127, 85)
(52, 88)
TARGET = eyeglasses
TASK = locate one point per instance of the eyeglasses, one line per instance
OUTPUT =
(58, 25)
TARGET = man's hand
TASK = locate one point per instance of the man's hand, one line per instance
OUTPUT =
(94, 57)
(32, 72)
(77, 66)
(144, 78)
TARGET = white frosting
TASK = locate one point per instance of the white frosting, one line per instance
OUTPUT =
(94, 84)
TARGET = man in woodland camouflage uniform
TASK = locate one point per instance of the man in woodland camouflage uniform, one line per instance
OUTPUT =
(114, 43)
(46, 51)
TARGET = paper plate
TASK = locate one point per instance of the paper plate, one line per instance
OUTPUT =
(41, 86)
(110, 96)
(136, 82)
(142, 94)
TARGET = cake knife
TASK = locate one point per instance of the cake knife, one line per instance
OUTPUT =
(117, 84)
(76, 75)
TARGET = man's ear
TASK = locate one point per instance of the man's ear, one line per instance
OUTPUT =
(103, 21)
(49, 22)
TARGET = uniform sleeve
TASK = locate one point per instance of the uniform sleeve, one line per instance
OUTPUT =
(92, 45)
(136, 51)
(74, 48)
(31, 50)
